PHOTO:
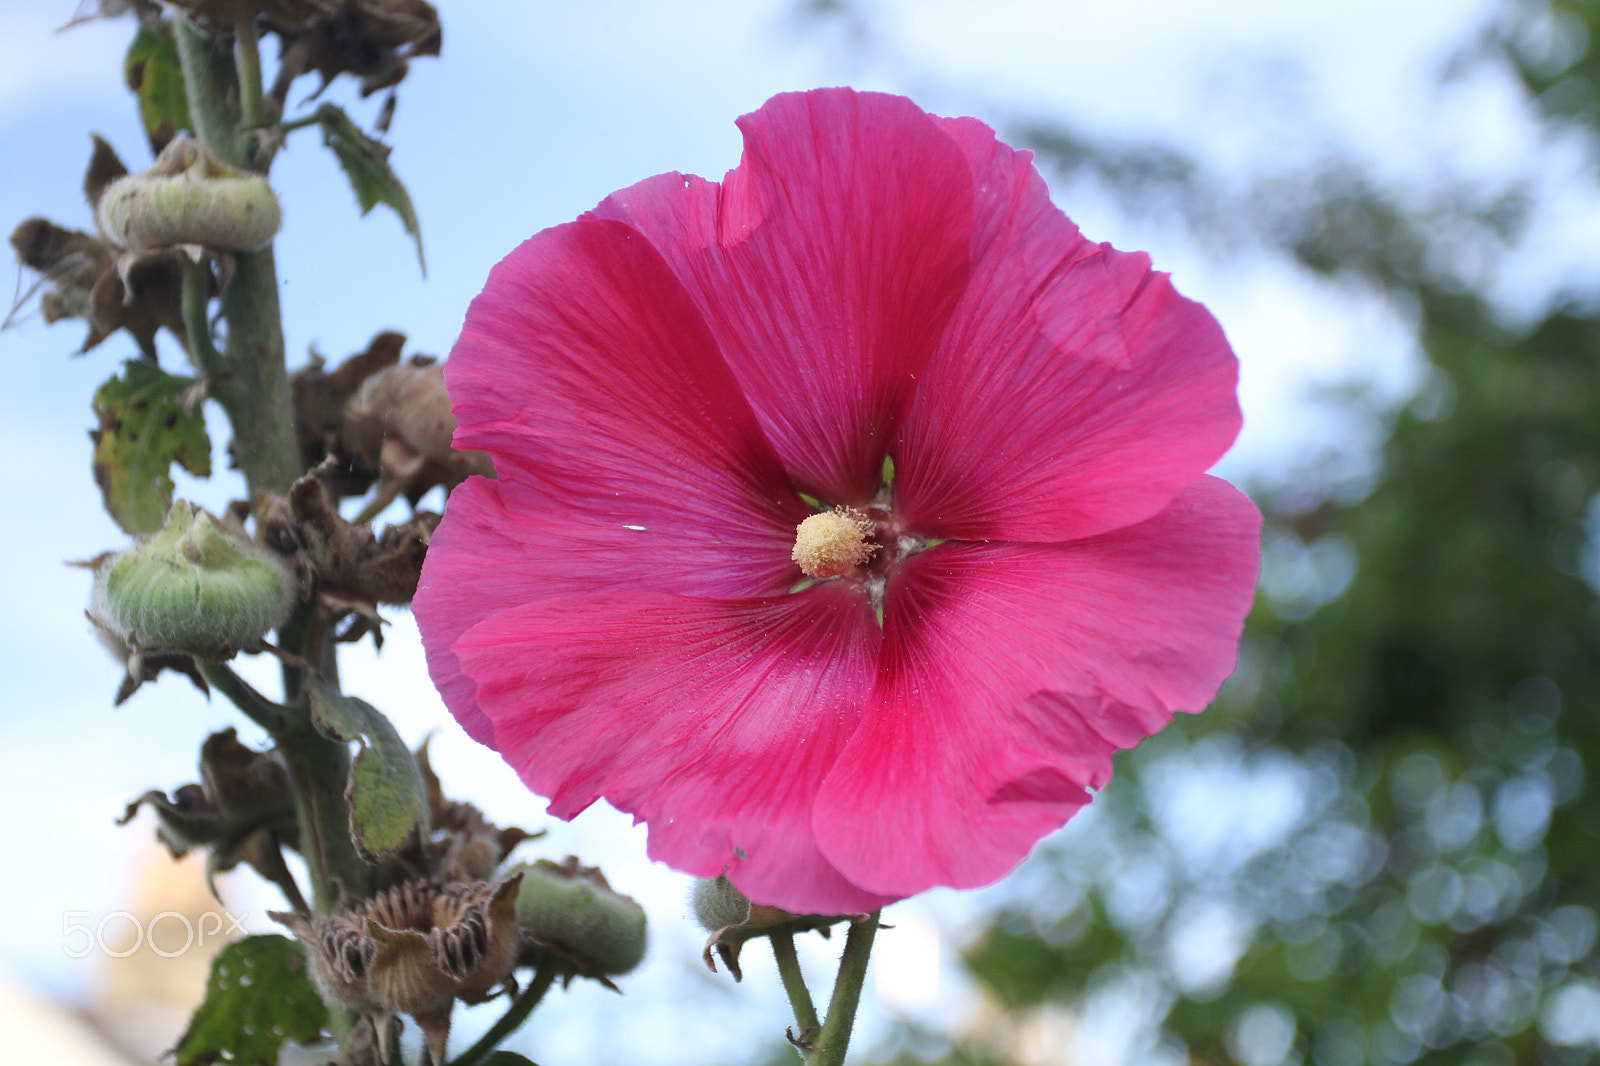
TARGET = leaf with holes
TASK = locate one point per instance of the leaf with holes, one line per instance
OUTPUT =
(387, 796)
(148, 421)
(366, 164)
(258, 996)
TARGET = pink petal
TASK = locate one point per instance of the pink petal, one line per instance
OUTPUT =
(1074, 392)
(1011, 673)
(712, 720)
(826, 265)
(587, 374)
(498, 547)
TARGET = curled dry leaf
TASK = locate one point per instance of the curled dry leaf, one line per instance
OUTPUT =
(376, 419)
(400, 422)
(93, 10)
(241, 811)
(320, 397)
(346, 560)
(220, 14)
(105, 167)
(372, 40)
(140, 669)
(79, 276)
(464, 844)
(79, 279)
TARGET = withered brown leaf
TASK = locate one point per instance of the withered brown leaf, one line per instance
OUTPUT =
(79, 278)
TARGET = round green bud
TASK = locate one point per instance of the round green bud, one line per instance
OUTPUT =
(717, 905)
(188, 197)
(572, 909)
(192, 589)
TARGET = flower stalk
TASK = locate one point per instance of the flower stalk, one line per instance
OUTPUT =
(511, 1020)
(824, 1043)
(209, 80)
(794, 983)
(247, 59)
(255, 391)
(251, 381)
(834, 1040)
(318, 771)
(272, 717)
(253, 386)
(203, 354)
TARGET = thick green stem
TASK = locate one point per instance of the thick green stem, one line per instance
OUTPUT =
(509, 1022)
(255, 391)
(263, 712)
(212, 87)
(250, 379)
(829, 1046)
(794, 983)
(319, 769)
(252, 383)
(253, 386)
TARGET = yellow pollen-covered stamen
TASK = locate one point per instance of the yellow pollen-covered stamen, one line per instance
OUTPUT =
(833, 542)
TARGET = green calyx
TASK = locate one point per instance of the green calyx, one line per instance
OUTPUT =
(189, 198)
(192, 589)
(571, 909)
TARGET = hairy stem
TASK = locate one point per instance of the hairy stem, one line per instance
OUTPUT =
(829, 1046)
(794, 983)
(203, 352)
(247, 58)
(509, 1022)
(319, 769)
(256, 707)
(254, 389)
(255, 392)
(212, 86)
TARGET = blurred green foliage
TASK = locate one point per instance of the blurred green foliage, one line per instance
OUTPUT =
(1553, 46)
(1380, 845)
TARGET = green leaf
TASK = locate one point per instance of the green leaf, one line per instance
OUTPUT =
(258, 996)
(153, 72)
(146, 425)
(386, 792)
(366, 164)
(508, 1058)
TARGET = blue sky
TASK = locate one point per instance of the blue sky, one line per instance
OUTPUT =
(534, 113)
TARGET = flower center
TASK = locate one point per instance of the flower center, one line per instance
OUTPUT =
(833, 542)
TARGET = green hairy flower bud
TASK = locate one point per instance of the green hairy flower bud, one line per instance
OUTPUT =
(731, 919)
(192, 589)
(572, 909)
(188, 197)
(717, 905)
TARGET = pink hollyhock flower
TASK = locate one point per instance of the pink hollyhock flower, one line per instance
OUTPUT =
(671, 384)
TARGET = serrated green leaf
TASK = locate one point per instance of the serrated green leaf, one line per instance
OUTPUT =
(145, 427)
(366, 164)
(258, 996)
(386, 792)
(154, 73)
